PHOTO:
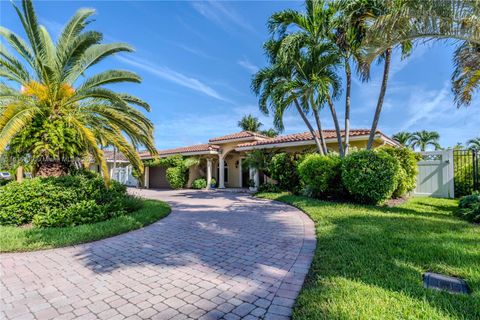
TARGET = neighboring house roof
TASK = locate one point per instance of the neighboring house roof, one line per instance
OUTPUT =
(109, 156)
(239, 136)
(307, 138)
(204, 148)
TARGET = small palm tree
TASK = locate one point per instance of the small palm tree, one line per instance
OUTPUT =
(403, 138)
(474, 143)
(423, 139)
(62, 111)
(250, 123)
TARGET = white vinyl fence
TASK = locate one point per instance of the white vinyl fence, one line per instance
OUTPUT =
(435, 174)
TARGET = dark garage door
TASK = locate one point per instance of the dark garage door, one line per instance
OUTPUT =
(158, 179)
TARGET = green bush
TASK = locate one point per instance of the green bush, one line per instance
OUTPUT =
(283, 168)
(408, 171)
(199, 183)
(176, 177)
(64, 201)
(321, 175)
(4, 182)
(469, 207)
(268, 187)
(370, 176)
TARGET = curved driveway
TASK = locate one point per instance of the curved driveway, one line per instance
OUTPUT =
(218, 255)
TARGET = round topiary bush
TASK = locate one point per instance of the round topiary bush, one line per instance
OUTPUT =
(64, 201)
(176, 177)
(370, 176)
(199, 183)
(321, 174)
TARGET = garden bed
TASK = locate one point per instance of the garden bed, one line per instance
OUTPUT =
(13, 238)
(369, 260)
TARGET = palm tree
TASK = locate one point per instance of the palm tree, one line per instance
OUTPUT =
(277, 88)
(423, 139)
(305, 44)
(474, 143)
(403, 138)
(250, 123)
(466, 76)
(74, 111)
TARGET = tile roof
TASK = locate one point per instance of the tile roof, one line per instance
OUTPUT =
(195, 148)
(240, 135)
(306, 136)
(108, 154)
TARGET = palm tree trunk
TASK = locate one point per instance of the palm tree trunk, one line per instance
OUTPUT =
(310, 128)
(320, 131)
(19, 174)
(348, 74)
(383, 90)
(337, 126)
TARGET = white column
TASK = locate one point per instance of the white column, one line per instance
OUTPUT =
(146, 176)
(221, 173)
(209, 172)
(240, 173)
(256, 178)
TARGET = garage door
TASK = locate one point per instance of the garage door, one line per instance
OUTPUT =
(158, 178)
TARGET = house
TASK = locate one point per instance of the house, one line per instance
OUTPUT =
(221, 158)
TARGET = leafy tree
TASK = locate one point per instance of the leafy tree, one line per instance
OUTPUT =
(60, 112)
(403, 138)
(474, 143)
(423, 139)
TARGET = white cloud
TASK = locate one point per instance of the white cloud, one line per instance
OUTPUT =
(250, 67)
(174, 77)
(221, 14)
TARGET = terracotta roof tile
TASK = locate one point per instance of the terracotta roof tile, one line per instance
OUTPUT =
(194, 148)
(305, 136)
(108, 154)
(240, 135)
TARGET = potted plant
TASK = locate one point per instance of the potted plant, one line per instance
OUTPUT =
(213, 183)
(251, 185)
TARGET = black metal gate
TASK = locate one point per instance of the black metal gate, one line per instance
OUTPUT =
(466, 171)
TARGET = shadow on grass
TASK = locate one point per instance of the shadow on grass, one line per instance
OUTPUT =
(390, 248)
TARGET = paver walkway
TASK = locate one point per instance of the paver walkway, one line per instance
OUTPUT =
(218, 255)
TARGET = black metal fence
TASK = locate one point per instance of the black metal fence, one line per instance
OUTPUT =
(466, 171)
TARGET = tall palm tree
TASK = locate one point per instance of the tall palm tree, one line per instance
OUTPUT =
(59, 95)
(474, 143)
(277, 88)
(466, 76)
(423, 139)
(250, 123)
(305, 43)
(403, 138)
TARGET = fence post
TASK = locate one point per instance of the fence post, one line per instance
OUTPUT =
(447, 156)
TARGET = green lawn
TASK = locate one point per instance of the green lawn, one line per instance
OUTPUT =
(369, 260)
(27, 239)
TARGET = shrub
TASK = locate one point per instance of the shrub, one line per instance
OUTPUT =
(408, 171)
(176, 177)
(200, 183)
(64, 201)
(370, 176)
(469, 207)
(4, 182)
(268, 187)
(213, 182)
(321, 175)
(283, 168)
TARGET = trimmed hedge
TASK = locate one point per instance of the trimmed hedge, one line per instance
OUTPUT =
(283, 168)
(370, 176)
(64, 201)
(408, 171)
(321, 175)
(176, 177)
(199, 183)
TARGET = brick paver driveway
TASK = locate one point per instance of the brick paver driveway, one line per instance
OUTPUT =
(217, 255)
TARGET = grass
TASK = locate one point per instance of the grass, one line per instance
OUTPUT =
(369, 260)
(14, 239)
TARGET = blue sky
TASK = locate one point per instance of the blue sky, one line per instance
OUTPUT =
(197, 59)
